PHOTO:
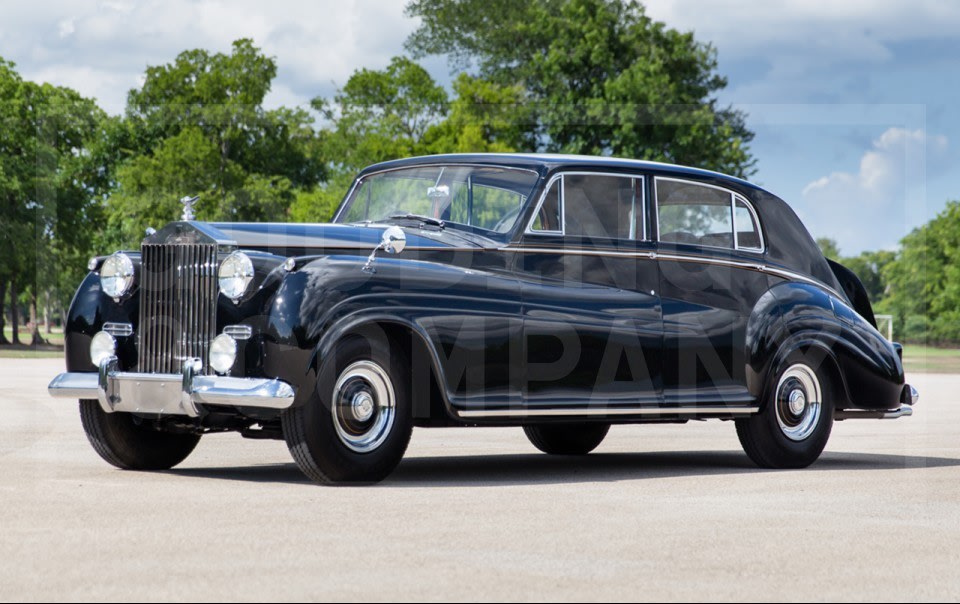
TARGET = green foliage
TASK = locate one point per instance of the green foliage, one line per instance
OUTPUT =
(924, 280)
(600, 76)
(50, 171)
(197, 126)
(484, 117)
(870, 267)
(829, 248)
(382, 115)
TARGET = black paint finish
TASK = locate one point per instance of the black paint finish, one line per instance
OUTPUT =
(544, 321)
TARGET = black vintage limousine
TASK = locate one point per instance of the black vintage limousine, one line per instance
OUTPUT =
(559, 294)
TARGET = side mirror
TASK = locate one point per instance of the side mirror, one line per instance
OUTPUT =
(393, 240)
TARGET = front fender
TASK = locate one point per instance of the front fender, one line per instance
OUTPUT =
(316, 305)
(89, 311)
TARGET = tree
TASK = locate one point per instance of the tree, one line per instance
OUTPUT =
(382, 114)
(48, 178)
(600, 76)
(924, 280)
(198, 126)
(483, 117)
(870, 267)
(829, 247)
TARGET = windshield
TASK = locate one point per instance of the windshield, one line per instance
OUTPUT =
(485, 198)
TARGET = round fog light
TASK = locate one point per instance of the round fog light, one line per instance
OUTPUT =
(102, 347)
(223, 353)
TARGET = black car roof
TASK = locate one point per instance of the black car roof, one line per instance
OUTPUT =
(551, 161)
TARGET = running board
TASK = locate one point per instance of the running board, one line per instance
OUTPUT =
(604, 412)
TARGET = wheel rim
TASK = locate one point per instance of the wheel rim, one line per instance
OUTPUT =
(364, 406)
(798, 402)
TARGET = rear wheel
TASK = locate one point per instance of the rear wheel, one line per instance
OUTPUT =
(795, 425)
(566, 439)
(129, 445)
(356, 427)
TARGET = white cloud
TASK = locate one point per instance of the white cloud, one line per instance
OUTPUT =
(808, 50)
(876, 205)
(101, 48)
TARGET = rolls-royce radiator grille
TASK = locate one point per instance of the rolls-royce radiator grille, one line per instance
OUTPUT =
(178, 305)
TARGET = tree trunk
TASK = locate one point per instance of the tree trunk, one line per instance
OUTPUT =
(14, 313)
(35, 338)
(3, 315)
(47, 328)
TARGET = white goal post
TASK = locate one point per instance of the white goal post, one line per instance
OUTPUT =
(885, 325)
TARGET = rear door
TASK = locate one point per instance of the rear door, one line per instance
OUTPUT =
(710, 249)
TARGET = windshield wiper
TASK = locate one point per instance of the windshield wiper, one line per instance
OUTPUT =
(420, 218)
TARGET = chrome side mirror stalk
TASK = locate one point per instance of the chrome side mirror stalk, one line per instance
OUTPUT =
(392, 242)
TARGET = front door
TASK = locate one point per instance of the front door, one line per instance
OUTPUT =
(592, 326)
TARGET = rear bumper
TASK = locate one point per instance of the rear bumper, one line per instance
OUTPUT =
(908, 398)
(169, 394)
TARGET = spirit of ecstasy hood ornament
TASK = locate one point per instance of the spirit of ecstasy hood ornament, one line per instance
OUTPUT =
(188, 207)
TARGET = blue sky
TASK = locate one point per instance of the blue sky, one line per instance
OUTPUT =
(854, 103)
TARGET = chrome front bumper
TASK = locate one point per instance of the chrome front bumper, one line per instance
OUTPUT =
(169, 394)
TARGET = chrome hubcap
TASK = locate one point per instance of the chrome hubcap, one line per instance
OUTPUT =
(364, 406)
(798, 402)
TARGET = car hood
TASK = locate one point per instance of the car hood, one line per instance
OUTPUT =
(293, 239)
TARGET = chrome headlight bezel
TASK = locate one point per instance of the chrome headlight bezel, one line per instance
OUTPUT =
(117, 275)
(235, 275)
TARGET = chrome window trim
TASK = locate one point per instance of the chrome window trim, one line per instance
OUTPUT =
(543, 197)
(734, 196)
(756, 221)
(637, 179)
(359, 179)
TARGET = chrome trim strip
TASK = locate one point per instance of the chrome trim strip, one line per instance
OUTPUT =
(596, 411)
(755, 266)
(902, 411)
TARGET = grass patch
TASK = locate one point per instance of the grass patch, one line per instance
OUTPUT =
(55, 338)
(26, 353)
(927, 359)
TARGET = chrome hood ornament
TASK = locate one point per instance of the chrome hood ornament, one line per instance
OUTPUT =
(188, 202)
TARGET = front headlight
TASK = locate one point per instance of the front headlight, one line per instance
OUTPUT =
(102, 346)
(236, 273)
(116, 275)
(223, 353)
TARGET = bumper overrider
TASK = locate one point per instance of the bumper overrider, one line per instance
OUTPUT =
(170, 394)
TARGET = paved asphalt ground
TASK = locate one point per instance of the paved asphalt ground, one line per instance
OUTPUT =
(657, 512)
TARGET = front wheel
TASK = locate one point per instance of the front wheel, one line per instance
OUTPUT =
(356, 427)
(566, 439)
(123, 442)
(795, 425)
